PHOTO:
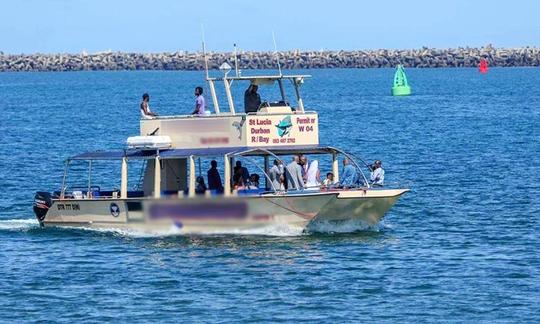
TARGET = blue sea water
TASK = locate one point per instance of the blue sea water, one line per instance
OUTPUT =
(462, 246)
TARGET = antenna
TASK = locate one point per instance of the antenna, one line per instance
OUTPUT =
(276, 52)
(204, 52)
(235, 61)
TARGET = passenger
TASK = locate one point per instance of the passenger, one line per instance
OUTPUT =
(349, 176)
(214, 179)
(200, 103)
(146, 113)
(304, 164)
(201, 186)
(238, 182)
(282, 182)
(275, 172)
(243, 171)
(313, 175)
(377, 173)
(329, 181)
(294, 174)
(252, 100)
(254, 181)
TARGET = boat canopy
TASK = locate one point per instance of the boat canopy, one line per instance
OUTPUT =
(208, 152)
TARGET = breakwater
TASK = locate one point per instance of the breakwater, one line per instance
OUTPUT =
(421, 58)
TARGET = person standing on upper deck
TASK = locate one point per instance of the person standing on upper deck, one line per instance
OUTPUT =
(146, 113)
(200, 103)
(252, 100)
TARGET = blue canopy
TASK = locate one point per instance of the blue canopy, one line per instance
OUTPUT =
(209, 152)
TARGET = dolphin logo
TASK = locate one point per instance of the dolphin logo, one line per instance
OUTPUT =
(284, 126)
(115, 210)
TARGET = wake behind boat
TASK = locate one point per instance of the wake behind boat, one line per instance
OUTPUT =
(168, 193)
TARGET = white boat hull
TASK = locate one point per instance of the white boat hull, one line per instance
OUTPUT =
(222, 214)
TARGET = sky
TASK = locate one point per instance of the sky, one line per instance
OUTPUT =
(73, 26)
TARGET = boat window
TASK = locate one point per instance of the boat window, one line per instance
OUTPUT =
(92, 179)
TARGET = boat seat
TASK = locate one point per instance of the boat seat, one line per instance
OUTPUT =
(169, 192)
(248, 192)
(135, 194)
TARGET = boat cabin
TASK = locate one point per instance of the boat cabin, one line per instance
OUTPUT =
(273, 124)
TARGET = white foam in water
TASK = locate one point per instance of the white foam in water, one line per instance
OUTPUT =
(270, 230)
(18, 224)
(134, 233)
(347, 226)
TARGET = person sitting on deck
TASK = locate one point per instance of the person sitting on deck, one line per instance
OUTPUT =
(200, 187)
(252, 100)
(349, 176)
(200, 104)
(329, 181)
(243, 171)
(146, 113)
(377, 173)
(254, 181)
(214, 179)
(294, 174)
(238, 182)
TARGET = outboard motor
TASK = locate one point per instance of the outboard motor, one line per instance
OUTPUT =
(42, 203)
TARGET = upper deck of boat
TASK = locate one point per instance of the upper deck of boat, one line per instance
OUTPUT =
(274, 124)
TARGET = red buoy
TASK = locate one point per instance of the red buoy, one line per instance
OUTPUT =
(483, 67)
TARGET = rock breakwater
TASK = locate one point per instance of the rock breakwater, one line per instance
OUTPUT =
(420, 58)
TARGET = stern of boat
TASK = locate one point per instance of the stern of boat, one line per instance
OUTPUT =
(42, 203)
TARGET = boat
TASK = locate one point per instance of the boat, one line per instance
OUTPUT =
(170, 151)
(401, 86)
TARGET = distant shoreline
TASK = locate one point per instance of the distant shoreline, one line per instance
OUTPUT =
(193, 61)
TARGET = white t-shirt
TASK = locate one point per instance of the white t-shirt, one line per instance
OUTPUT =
(377, 177)
(145, 116)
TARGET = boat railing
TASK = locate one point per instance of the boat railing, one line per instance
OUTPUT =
(354, 159)
(229, 114)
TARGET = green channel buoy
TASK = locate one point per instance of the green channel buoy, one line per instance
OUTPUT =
(401, 86)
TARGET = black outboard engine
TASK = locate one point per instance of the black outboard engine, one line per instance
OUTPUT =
(42, 203)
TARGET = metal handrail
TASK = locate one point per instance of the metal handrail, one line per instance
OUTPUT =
(258, 167)
(353, 160)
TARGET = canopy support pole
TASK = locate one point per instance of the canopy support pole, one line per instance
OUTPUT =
(227, 175)
(191, 192)
(89, 178)
(229, 95)
(157, 177)
(124, 181)
(298, 98)
(214, 96)
(63, 191)
(335, 167)
(266, 169)
(282, 90)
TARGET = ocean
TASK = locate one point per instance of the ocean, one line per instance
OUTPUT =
(462, 246)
